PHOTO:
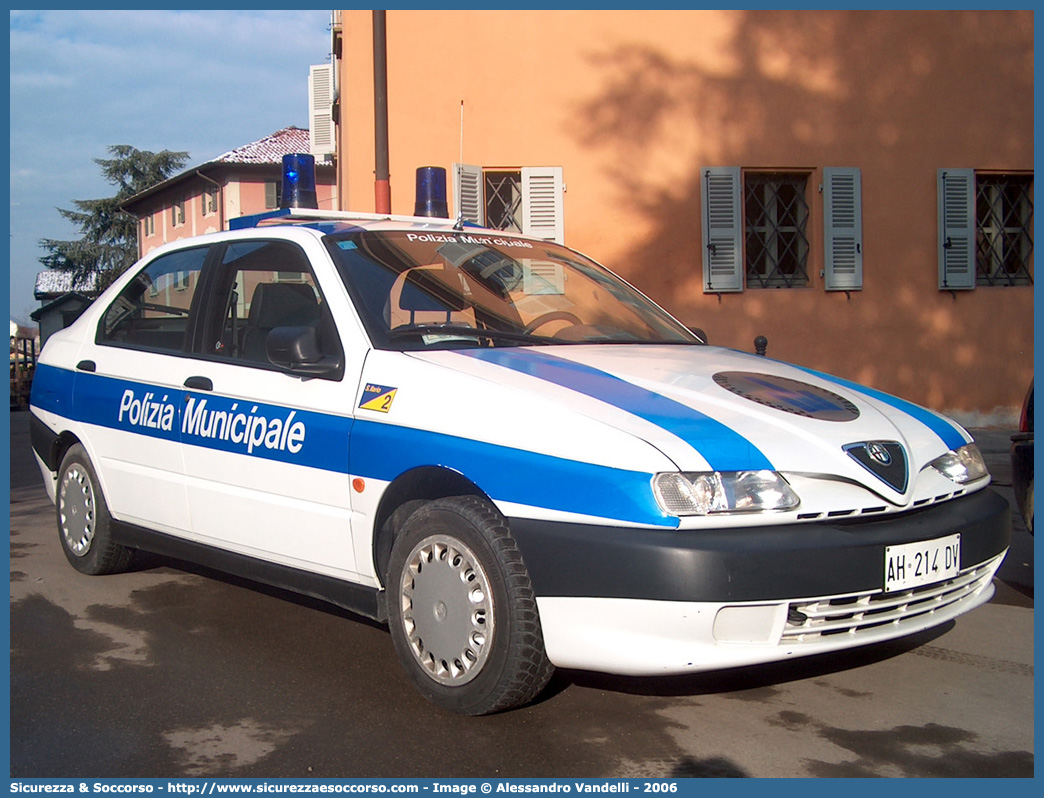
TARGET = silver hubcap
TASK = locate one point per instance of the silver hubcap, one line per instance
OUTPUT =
(76, 503)
(447, 610)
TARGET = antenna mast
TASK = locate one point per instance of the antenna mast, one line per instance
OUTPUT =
(460, 175)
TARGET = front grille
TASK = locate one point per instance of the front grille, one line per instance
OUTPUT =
(856, 511)
(820, 619)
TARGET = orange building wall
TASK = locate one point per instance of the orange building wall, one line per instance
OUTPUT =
(633, 104)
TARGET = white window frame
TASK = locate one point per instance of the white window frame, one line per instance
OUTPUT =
(543, 198)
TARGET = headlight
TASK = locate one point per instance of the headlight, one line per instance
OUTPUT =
(723, 492)
(962, 466)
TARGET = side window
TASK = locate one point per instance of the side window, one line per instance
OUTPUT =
(265, 285)
(152, 311)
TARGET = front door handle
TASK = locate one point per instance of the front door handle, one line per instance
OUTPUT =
(199, 384)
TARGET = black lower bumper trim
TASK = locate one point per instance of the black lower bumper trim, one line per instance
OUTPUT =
(44, 441)
(748, 564)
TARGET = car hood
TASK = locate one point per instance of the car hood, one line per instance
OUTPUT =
(709, 408)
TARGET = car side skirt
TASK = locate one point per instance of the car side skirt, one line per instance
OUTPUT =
(360, 599)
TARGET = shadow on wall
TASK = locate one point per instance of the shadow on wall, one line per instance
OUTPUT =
(897, 94)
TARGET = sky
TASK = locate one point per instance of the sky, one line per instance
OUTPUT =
(204, 82)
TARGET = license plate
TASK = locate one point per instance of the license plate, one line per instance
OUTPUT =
(915, 564)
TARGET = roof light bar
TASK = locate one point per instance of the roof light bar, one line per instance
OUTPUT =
(298, 215)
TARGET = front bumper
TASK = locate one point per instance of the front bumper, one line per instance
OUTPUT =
(640, 601)
(748, 564)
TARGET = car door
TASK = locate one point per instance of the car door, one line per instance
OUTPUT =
(266, 452)
(129, 390)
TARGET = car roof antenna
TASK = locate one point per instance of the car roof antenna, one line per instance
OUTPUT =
(459, 225)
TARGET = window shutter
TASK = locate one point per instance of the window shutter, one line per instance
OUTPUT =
(956, 229)
(542, 203)
(320, 110)
(722, 226)
(467, 193)
(842, 229)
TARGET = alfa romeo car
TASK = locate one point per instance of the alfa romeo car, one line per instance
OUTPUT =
(502, 450)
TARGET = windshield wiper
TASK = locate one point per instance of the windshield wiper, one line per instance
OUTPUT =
(464, 331)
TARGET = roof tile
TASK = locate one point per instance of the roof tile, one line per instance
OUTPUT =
(270, 149)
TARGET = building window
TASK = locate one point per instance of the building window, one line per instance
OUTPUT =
(209, 200)
(148, 225)
(503, 198)
(177, 213)
(529, 200)
(1003, 229)
(273, 192)
(755, 228)
(775, 230)
(985, 229)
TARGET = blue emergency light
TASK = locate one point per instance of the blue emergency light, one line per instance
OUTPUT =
(431, 192)
(299, 181)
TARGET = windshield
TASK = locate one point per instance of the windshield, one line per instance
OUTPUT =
(438, 290)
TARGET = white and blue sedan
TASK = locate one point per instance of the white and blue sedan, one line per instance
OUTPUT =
(502, 450)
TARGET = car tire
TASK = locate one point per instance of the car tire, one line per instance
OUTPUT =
(84, 523)
(461, 609)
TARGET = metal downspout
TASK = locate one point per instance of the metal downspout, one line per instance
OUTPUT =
(382, 186)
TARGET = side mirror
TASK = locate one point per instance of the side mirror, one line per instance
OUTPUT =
(297, 350)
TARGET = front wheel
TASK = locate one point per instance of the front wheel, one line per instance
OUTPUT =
(462, 613)
(84, 524)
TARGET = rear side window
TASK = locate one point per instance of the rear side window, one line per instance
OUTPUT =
(152, 311)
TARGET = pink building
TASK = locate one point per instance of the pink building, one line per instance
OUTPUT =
(241, 182)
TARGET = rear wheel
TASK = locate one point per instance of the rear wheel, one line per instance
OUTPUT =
(84, 523)
(462, 613)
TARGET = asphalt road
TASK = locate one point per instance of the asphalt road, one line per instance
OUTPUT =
(173, 671)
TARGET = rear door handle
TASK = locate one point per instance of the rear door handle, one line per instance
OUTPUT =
(199, 383)
(86, 365)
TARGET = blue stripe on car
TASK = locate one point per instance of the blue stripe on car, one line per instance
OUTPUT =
(334, 443)
(52, 390)
(723, 448)
(199, 419)
(384, 451)
(950, 434)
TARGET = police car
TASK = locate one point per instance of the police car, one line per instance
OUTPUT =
(502, 450)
